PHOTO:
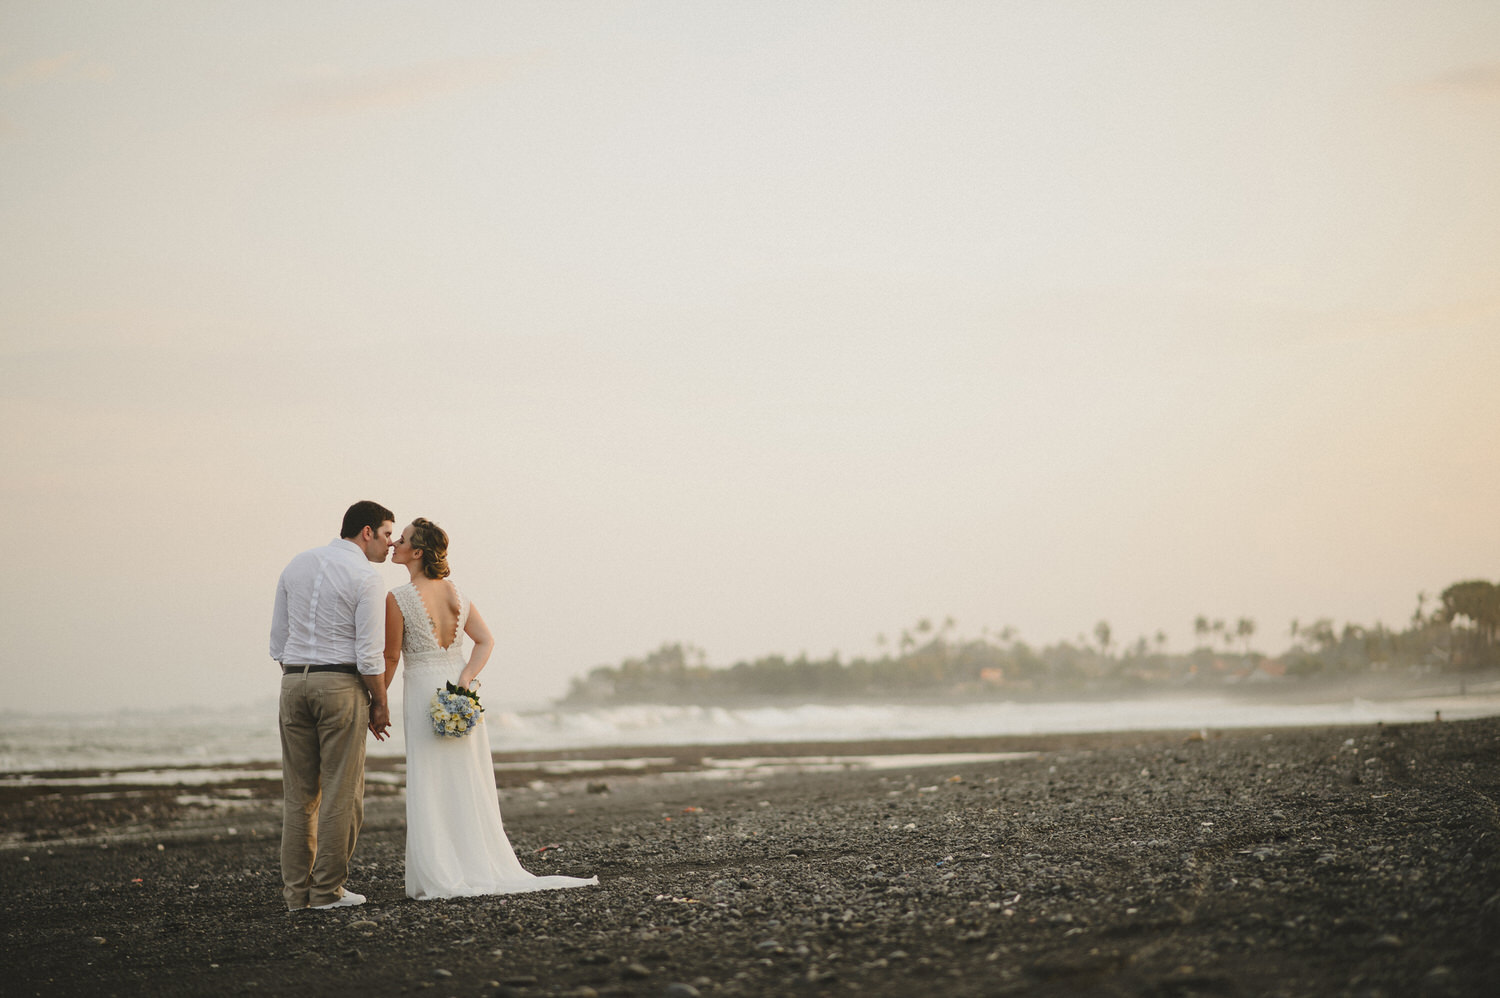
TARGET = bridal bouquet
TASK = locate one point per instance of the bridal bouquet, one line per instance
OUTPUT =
(455, 711)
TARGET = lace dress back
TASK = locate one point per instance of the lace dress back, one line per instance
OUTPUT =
(456, 844)
(419, 642)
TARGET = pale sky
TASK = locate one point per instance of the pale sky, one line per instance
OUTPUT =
(767, 327)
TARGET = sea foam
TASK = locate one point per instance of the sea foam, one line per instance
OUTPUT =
(248, 733)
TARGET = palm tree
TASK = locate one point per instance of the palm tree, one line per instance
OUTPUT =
(1479, 601)
(1244, 629)
(1320, 633)
(1223, 632)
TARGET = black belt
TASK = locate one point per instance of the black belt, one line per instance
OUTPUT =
(287, 670)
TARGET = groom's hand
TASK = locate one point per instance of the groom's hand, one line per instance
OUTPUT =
(380, 720)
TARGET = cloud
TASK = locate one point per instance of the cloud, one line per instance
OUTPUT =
(38, 70)
(339, 95)
(1464, 312)
(67, 65)
(1472, 317)
(1471, 81)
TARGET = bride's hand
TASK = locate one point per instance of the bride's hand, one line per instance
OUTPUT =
(467, 682)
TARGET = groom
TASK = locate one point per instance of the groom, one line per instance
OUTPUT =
(328, 633)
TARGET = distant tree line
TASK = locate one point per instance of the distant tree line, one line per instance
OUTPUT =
(1460, 631)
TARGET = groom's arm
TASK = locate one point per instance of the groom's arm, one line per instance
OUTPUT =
(279, 623)
(380, 710)
(369, 648)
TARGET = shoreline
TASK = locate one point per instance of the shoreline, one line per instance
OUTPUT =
(520, 767)
(1301, 861)
(38, 746)
(75, 805)
(99, 805)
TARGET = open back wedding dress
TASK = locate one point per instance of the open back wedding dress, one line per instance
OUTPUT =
(456, 845)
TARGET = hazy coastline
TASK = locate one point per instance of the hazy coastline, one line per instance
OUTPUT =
(32, 743)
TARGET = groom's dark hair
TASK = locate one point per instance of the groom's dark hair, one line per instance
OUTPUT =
(365, 514)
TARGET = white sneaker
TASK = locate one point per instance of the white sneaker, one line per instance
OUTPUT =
(349, 900)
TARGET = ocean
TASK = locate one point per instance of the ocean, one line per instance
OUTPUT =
(244, 734)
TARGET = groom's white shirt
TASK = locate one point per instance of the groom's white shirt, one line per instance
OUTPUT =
(330, 609)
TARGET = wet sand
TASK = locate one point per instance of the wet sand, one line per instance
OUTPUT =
(1357, 861)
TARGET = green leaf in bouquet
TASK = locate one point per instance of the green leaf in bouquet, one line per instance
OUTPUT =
(464, 692)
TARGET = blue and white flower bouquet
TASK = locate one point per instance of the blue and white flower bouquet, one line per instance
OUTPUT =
(455, 711)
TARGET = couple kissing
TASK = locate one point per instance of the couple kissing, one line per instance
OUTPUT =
(339, 637)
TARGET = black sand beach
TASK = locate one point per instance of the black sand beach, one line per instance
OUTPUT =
(1359, 861)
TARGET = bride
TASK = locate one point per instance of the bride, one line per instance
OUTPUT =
(455, 843)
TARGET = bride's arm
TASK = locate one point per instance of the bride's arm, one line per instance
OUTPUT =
(484, 643)
(395, 630)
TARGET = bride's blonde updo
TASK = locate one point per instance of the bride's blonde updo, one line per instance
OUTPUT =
(430, 539)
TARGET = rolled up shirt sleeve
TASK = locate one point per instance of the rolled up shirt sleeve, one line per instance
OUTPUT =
(280, 623)
(369, 627)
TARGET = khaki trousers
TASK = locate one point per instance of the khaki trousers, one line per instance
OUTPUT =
(324, 717)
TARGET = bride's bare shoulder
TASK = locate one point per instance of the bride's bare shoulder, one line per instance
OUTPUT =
(439, 591)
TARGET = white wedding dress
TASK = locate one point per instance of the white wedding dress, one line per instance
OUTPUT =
(455, 843)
